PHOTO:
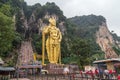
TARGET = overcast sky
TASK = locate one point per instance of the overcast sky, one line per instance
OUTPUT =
(110, 9)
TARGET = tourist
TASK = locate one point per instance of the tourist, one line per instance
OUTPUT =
(101, 71)
(96, 73)
(118, 77)
(91, 74)
(110, 74)
(81, 73)
(66, 70)
(106, 73)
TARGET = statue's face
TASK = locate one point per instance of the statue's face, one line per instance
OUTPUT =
(52, 21)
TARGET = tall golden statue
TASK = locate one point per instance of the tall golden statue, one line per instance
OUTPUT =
(52, 43)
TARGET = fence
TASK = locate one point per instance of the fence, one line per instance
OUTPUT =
(72, 76)
(65, 77)
(4, 77)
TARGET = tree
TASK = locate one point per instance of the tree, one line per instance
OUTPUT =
(6, 10)
(80, 51)
(6, 33)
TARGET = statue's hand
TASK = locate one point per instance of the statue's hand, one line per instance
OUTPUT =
(59, 40)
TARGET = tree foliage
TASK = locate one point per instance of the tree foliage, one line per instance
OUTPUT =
(6, 10)
(116, 38)
(81, 49)
(6, 33)
(117, 50)
(88, 20)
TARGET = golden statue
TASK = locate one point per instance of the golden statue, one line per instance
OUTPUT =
(52, 43)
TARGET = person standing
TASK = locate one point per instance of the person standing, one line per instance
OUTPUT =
(66, 70)
(96, 73)
(106, 73)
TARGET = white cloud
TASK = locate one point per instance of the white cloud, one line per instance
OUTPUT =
(107, 8)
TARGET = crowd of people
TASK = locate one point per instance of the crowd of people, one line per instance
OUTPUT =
(96, 73)
(107, 74)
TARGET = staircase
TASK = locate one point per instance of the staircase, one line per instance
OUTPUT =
(26, 53)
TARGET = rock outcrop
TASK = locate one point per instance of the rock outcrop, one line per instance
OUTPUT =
(33, 26)
(106, 41)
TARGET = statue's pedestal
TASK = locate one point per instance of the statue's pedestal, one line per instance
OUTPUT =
(54, 68)
(59, 68)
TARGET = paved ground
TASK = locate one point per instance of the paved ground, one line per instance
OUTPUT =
(20, 79)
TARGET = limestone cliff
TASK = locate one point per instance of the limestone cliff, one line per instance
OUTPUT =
(32, 19)
(31, 27)
(95, 28)
(106, 41)
(35, 25)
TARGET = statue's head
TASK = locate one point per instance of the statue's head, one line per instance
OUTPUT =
(52, 21)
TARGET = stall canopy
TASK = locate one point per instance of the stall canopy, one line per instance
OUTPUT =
(107, 60)
(1, 61)
(7, 68)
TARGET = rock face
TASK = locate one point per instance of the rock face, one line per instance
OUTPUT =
(31, 26)
(106, 41)
(38, 24)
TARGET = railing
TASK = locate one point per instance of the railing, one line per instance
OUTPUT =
(4, 77)
(72, 76)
